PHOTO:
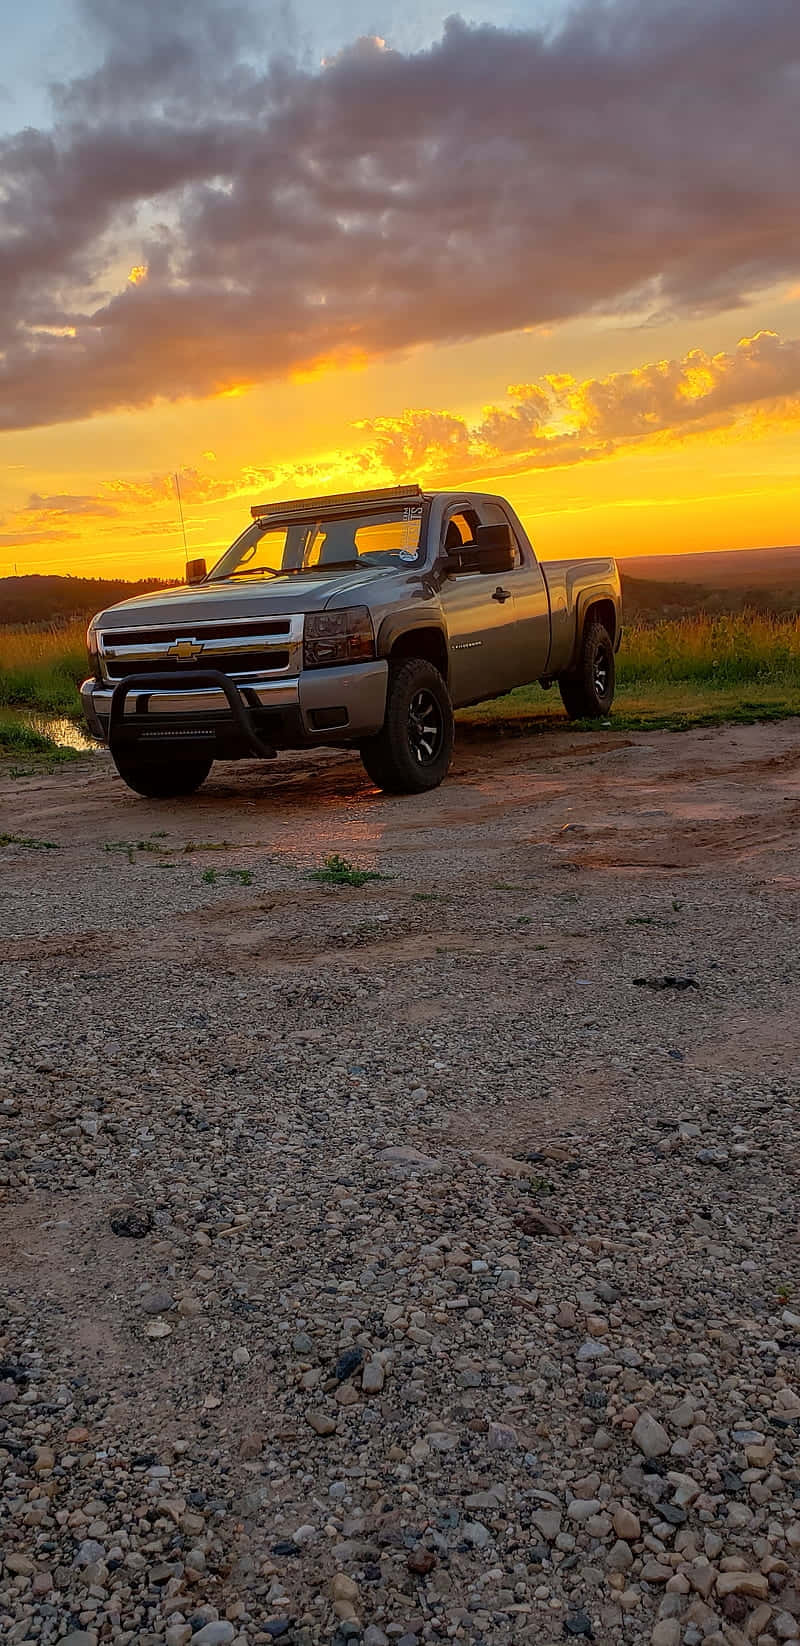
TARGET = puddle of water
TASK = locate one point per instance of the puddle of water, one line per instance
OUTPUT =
(68, 734)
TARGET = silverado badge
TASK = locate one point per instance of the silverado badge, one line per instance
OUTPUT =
(186, 650)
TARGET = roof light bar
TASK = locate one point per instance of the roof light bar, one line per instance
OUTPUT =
(338, 500)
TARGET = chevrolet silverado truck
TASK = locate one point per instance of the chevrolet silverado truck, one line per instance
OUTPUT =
(361, 619)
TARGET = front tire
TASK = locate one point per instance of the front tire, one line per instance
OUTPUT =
(413, 750)
(162, 780)
(587, 692)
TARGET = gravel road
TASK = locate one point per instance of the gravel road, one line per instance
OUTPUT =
(413, 1261)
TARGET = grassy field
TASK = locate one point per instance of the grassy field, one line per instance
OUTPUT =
(688, 672)
(41, 668)
(694, 671)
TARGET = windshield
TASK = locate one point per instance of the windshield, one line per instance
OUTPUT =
(370, 537)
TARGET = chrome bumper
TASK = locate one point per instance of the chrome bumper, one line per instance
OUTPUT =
(359, 688)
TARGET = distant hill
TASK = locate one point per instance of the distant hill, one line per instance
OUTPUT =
(730, 569)
(654, 586)
(38, 599)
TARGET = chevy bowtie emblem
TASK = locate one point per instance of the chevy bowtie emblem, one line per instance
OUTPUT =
(186, 650)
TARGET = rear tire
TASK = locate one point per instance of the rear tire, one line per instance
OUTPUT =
(413, 750)
(587, 692)
(162, 780)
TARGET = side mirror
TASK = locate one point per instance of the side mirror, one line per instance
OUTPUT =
(195, 571)
(496, 548)
(492, 552)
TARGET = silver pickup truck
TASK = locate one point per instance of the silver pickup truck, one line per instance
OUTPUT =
(362, 619)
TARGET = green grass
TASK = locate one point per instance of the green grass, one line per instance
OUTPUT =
(17, 740)
(29, 842)
(336, 871)
(42, 668)
(696, 671)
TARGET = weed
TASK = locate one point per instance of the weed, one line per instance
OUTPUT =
(28, 842)
(784, 1291)
(242, 877)
(524, 919)
(425, 897)
(207, 846)
(336, 871)
(540, 1185)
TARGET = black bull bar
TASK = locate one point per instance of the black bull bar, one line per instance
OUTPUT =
(191, 679)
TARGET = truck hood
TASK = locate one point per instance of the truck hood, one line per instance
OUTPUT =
(248, 597)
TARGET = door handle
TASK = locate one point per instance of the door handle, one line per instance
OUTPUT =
(501, 594)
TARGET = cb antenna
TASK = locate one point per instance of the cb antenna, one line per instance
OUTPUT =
(183, 522)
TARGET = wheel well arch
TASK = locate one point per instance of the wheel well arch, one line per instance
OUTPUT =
(428, 642)
(602, 611)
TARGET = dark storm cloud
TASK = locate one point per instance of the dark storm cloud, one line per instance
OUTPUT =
(640, 156)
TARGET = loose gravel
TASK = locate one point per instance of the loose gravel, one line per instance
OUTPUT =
(386, 1263)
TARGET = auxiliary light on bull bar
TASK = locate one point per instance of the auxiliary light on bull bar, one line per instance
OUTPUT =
(311, 505)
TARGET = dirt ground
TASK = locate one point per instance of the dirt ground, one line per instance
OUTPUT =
(191, 1023)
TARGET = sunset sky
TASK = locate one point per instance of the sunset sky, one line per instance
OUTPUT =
(542, 248)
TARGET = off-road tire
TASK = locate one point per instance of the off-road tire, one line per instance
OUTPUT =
(163, 779)
(413, 749)
(587, 692)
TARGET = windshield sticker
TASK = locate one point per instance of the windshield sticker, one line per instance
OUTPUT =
(406, 554)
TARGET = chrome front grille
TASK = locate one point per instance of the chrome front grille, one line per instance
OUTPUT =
(249, 646)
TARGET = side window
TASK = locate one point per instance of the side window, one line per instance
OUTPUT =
(460, 528)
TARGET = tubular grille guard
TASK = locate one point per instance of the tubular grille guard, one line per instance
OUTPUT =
(192, 679)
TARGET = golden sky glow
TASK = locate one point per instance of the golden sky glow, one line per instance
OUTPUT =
(283, 270)
(98, 497)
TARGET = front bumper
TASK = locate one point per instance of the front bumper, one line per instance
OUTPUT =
(337, 705)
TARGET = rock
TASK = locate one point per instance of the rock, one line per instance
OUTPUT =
(158, 1328)
(650, 1436)
(344, 1587)
(219, 1633)
(654, 1572)
(20, 1565)
(754, 1584)
(785, 1626)
(348, 1363)
(476, 1533)
(592, 1350)
(79, 1637)
(538, 1223)
(580, 1508)
(627, 1525)
(321, 1423)
(620, 1557)
(408, 1159)
(579, 1623)
(372, 1377)
(157, 1303)
(132, 1222)
(666, 1633)
(8, 1392)
(421, 1561)
(548, 1522)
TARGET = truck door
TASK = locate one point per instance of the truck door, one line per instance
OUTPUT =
(530, 640)
(487, 654)
(479, 626)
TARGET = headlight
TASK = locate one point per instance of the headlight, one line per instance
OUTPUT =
(338, 637)
(93, 648)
